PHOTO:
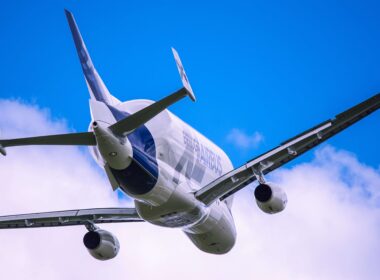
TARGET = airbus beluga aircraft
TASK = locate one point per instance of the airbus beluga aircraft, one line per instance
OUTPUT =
(176, 177)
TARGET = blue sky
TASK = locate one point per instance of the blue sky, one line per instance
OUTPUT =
(273, 67)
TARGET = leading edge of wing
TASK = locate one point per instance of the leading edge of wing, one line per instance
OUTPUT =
(70, 218)
(288, 150)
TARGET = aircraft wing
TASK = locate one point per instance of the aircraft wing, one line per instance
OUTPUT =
(237, 179)
(70, 218)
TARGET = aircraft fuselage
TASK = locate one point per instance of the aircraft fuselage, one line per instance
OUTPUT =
(170, 161)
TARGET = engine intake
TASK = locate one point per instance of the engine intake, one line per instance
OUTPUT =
(270, 198)
(101, 244)
(263, 193)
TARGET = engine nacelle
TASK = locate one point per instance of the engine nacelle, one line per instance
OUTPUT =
(101, 244)
(270, 198)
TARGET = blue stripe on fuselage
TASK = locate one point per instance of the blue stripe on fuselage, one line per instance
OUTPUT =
(141, 175)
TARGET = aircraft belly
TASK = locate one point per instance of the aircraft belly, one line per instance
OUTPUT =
(217, 233)
(179, 210)
(211, 229)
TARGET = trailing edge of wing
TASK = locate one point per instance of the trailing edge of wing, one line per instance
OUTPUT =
(83, 138)
(70, 218)
(239, 178)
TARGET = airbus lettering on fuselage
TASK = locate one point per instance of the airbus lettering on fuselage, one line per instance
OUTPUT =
(203, 154)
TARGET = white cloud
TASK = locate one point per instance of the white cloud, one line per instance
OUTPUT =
(330, 229)
(243, 140)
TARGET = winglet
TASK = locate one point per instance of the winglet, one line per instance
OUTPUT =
(182, 73)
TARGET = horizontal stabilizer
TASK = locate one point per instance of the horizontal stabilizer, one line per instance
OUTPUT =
(132, 122)
(82, 139)
(144, 115)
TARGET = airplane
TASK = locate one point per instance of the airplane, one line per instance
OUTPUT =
(176, 177)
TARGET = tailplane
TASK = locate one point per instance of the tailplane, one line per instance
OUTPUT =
(96, 87)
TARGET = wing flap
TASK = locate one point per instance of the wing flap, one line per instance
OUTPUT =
(70, 218)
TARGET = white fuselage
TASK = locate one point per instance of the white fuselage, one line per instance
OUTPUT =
(171, 160)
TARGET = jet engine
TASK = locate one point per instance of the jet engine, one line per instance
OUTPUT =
(101, 244)
(270, 198)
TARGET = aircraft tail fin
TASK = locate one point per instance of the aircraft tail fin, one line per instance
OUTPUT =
(182, 73)
(96, 86)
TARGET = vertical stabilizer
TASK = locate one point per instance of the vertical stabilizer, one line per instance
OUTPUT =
(182, 73)
(95, 84)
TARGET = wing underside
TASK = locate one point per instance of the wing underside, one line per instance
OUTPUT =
(237, 179)
(70, 218)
